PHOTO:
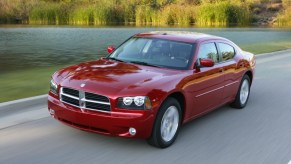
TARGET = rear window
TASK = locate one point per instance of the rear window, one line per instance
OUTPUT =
(227, 51)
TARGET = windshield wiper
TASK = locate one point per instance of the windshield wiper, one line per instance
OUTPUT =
(111, 58)
(144, 63)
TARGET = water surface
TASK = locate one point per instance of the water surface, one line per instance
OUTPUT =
(32, 47)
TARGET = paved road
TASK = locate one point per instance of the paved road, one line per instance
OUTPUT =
(258, 134)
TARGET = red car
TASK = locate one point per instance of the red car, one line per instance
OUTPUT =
(152, 84)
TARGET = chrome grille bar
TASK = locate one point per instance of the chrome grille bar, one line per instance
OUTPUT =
(96, 102)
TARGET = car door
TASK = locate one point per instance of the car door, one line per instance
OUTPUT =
(206, 83)
(232, 75)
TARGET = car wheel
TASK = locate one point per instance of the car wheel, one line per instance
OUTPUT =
(243, 93)
(167, 124)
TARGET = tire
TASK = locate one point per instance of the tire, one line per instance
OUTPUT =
(167, 124)
(243, 93)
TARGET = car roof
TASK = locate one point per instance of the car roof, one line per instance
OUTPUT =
(183, 36)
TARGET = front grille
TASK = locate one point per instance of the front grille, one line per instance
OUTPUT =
(97, 106)
(85, 100)
(92, 96)
(72, 92)
(70, 100)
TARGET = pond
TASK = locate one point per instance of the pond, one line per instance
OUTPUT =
(31, 47)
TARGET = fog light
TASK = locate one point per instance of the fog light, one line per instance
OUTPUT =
(52, 112)
(132, 131)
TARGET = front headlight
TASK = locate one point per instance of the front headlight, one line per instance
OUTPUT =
(54, 87)
(136, 102)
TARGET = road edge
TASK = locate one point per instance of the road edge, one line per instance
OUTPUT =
(24, 103)
(275, 53)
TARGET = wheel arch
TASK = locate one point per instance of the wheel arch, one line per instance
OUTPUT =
(250, 74)
(180, 97)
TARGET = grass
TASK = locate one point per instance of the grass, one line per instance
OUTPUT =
(259, 48)
(158, 12)
(25, 83)
(223, 13)
(284, 18)
(33, 82)
(45, 13)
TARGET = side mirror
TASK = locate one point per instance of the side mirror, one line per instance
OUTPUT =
(110, 49)
(206, 62)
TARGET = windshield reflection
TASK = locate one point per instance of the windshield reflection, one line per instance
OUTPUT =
(155, 52)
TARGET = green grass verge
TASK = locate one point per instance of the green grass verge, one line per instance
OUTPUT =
(264, 47)
(25, 83)
(33, 82)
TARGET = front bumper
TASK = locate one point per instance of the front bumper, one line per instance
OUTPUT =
(114, 123)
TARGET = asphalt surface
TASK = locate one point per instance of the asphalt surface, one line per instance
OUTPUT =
(258, 134)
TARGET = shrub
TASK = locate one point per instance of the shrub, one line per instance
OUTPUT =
(284, 18)
(223, 13)
(45, 13)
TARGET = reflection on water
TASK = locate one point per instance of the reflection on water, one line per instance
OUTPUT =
(26, 47)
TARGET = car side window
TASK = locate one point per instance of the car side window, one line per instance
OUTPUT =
(227, 51)
(208, 51)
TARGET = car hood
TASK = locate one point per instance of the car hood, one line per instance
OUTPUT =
(108, 77)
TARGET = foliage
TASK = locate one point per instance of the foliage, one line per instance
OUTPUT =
(15, 10)
(284, 18)
(157, 12)
(223, 13)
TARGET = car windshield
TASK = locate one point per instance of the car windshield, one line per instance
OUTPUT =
(155, 52)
